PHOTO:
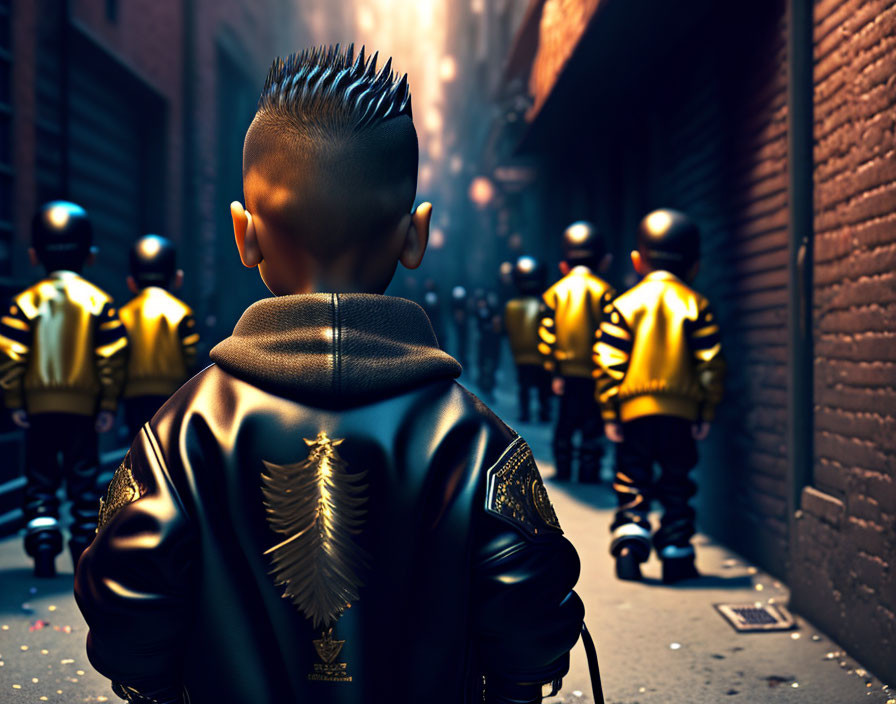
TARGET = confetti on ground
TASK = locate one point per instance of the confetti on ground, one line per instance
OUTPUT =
(51, 607)
(23, 648)
(38, 625)
(674, 646)
(67, 661)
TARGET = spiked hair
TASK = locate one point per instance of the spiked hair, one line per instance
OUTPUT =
(329, 86)
(334, 138)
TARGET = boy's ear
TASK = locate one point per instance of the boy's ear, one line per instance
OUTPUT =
(638, 263)
(132, 285)
(32, 257)
(244, 233)
(564, 267)
(417, 237)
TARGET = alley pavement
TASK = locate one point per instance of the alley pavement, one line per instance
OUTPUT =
(655, 643)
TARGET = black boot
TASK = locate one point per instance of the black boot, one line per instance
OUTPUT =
(43, 544)
(44, 563)
(628, 565)
(677, 569)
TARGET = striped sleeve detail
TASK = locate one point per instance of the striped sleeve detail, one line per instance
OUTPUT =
(705, 343)
(547, 338)
(111, 342)
(189, 340)
(612, 353)
(15, 344)
(111, 336)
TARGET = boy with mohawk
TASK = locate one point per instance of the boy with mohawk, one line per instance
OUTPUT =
(324, 514)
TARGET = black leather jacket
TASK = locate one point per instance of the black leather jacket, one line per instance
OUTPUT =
(324, 515)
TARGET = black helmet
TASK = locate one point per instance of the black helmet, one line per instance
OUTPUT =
(583, 244)
(62, 235)
(153, 261)
(529, 275)
(669, 239)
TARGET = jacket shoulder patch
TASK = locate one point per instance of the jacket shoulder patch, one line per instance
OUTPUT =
(516, 493)
(122, 490)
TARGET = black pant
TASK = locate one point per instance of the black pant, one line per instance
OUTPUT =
(139, 410)
(533, 376)
(60, 446)
(578, 411)
(666, 441)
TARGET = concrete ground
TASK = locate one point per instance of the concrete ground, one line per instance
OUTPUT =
(656, 644)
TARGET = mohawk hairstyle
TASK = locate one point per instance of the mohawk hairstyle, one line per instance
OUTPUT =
(336, 89)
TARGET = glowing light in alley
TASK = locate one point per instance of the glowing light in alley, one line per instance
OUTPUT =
(481, 191)
(448, 69)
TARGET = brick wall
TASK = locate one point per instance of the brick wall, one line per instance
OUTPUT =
(562, 24)
(846, 549)
(147, 36)
(745, 276)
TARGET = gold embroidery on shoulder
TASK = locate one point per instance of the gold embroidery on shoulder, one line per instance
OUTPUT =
(122, 490)
(516, 492)
(319, 506)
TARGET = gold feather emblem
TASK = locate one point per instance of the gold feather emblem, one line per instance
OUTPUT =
(319, 505)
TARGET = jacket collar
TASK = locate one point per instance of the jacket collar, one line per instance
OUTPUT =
(334, 349)
(661, 275)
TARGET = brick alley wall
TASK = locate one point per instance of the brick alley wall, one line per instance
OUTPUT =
(845, 557)
(720, 154)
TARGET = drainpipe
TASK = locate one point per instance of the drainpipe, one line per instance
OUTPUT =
(800, 142)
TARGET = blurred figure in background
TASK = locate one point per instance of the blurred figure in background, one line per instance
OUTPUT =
(460, 321)
(521, 319)
(489, 325)
(432, 304)
(574, 310)
(161, 330)
(62, 356)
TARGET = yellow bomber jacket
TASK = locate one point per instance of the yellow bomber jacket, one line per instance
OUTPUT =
(62, 348)
(661, 353)
(163, 338)
(522, 317)
(572, 318)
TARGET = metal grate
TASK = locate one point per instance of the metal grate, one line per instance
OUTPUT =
(748, 618)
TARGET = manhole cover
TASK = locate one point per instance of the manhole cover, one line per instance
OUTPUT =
(749, 617)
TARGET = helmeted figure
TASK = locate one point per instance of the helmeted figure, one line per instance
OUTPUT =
(161, 330)
(522, 316)
(323, 514)
(62, 352)
(660, 348)
(574, 309)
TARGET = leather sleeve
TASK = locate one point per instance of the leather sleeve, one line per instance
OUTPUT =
(111, 356)
(15, 346)
(527, 616)
(134, 584)
(547, 334)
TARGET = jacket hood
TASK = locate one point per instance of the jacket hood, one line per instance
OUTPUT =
(334, 349)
